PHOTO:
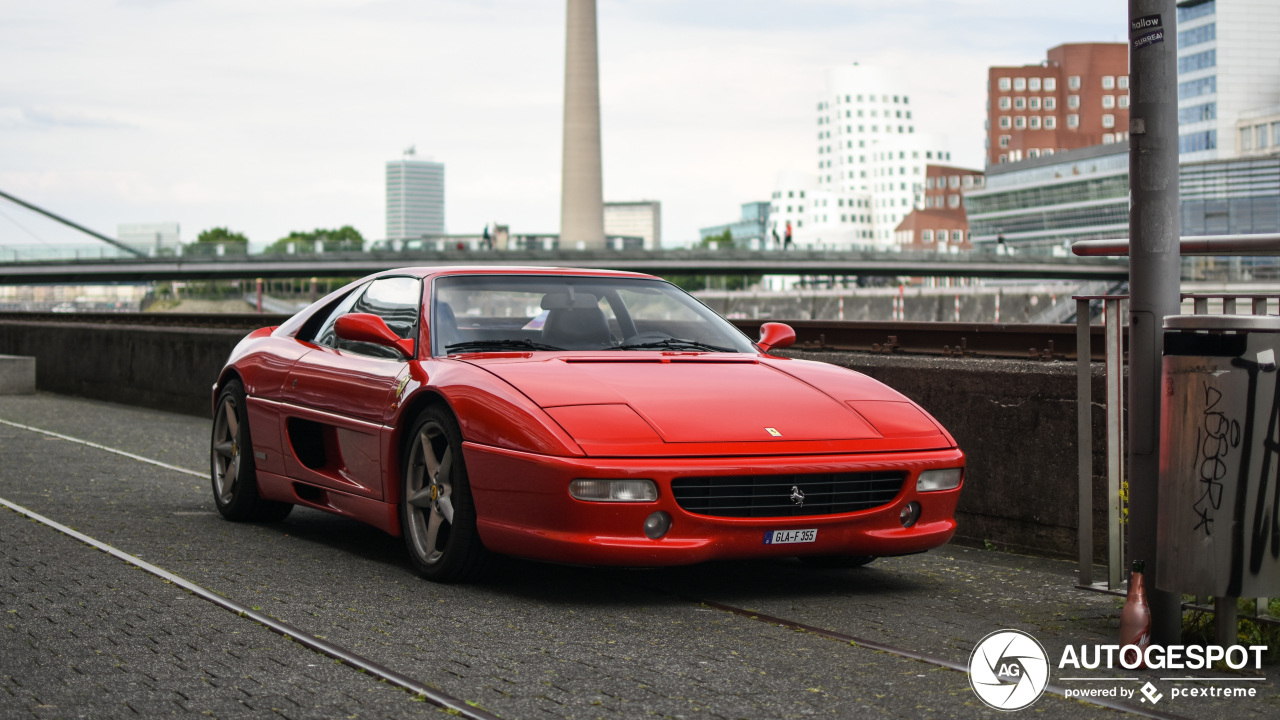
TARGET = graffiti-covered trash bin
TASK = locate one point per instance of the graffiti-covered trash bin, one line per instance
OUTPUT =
(1220, 456)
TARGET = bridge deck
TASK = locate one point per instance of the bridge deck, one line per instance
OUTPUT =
(660, 262)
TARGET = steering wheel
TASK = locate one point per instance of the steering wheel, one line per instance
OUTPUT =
(647, 337)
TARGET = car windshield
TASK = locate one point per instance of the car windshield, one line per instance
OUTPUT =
(484, 313)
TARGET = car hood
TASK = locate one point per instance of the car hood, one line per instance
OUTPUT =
(752, 404)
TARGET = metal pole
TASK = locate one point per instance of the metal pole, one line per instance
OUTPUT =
(71, 224)
(1225, 621)
(1155, 226)
(1115, 439)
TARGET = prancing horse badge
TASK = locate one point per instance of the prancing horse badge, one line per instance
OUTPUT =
(773, 431)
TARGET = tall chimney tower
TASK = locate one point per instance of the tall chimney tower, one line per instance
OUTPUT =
(581, 188)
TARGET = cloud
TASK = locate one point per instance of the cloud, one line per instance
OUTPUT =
(271, 117)
(35, 118)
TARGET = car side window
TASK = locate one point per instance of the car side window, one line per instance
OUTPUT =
(397, 300)
(325, 336)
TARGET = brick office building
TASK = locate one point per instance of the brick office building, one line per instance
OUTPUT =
(938, 221)
(1077, 97)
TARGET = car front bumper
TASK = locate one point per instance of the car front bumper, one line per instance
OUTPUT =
(525, 510)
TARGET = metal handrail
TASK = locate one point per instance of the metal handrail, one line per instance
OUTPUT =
(1260, 244)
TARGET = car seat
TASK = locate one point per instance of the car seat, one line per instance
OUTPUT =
(574, 322)
(444, 332)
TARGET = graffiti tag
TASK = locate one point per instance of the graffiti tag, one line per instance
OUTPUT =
(1214, 439)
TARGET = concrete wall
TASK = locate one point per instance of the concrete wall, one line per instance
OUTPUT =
(165, 368)
(1016, 420)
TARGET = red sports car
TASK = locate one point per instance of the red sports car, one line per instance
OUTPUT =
(576, 416)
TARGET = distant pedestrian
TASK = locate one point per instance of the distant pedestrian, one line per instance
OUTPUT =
(787, 243)
(488, 242)
(777, 241)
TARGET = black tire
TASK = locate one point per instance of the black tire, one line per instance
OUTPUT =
(437, 512)
(836, 561)
(232, 468)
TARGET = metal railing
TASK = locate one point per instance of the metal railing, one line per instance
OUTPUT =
(1114, 362)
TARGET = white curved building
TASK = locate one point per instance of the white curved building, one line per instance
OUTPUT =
(870, 164)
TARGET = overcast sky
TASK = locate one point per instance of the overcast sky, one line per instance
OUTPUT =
(268, 116)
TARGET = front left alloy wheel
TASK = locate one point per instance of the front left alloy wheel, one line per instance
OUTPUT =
(234, 473)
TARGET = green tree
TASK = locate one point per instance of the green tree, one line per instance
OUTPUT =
(693, 283)
(221, 235)
(723, 240)
(343, 238)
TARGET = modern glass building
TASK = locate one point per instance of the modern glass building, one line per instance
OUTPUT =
(415, 198)
(1052, 201)
(1231, 197)
(1228, 65)
(1083, 194)
(754, 226)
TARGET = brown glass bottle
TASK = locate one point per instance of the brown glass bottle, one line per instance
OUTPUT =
(1135, 618)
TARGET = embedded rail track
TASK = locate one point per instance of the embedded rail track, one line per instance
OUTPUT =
(947, 339)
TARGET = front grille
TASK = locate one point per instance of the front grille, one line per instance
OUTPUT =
(771, 495)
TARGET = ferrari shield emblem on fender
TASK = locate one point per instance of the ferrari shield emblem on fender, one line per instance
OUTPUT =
(773, 431)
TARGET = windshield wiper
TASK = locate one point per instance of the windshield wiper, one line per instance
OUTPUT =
(508, 344)
(674, 344)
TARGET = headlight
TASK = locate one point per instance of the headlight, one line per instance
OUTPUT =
(614, 490)
(931, 480)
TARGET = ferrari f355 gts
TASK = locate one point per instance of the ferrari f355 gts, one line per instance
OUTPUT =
(574, 416)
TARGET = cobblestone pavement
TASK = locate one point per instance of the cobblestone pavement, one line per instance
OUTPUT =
(93, 637)
(88, 636)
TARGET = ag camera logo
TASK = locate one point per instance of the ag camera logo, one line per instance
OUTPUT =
(1009, 670)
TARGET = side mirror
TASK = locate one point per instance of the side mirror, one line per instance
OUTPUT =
(775, 336)
(364, 327)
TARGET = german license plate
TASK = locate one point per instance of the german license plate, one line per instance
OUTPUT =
(784, 537)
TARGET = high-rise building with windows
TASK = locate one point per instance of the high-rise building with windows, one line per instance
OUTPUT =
(1077, 97)
(415, 197)
(870, 164)
(1228, 71)
(635, 219)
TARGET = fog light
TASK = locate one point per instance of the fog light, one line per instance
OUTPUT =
(910, 514)
(614, 490)
(931, 480)
(657, 525)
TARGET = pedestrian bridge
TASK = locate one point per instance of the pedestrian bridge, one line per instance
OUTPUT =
(660, 262)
